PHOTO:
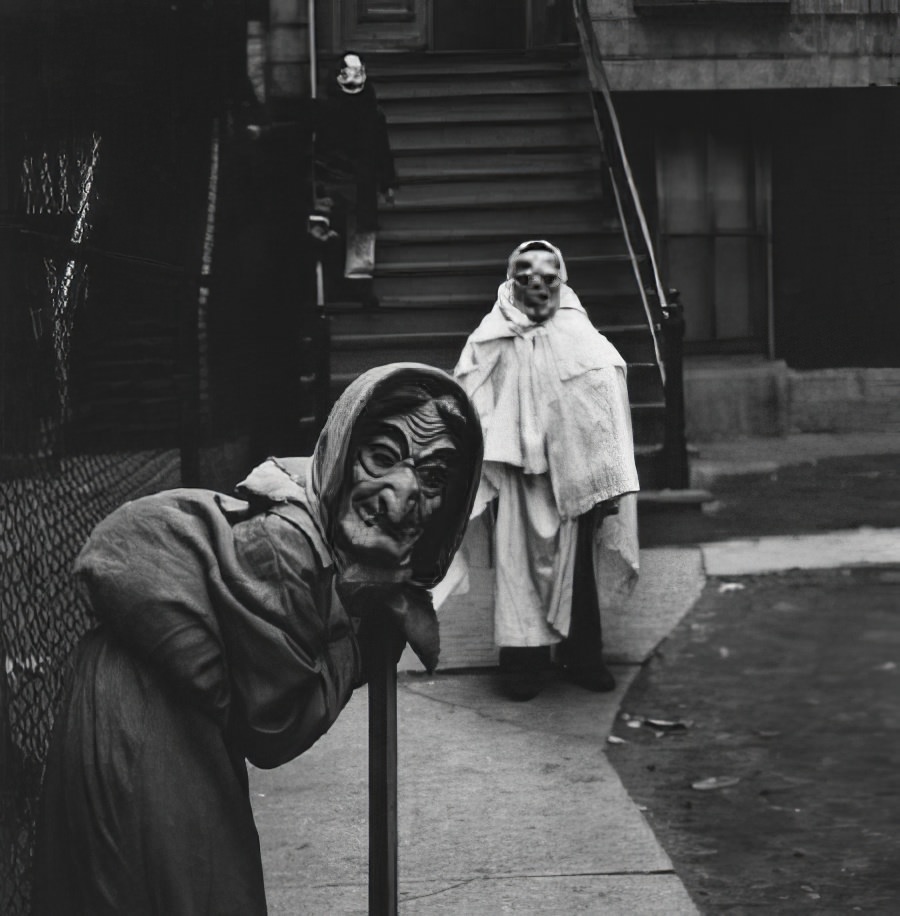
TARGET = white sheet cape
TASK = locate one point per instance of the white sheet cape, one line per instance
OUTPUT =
(552, 399)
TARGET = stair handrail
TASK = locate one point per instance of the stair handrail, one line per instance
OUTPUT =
(600, 85)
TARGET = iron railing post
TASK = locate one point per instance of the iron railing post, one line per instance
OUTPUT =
(675, 459)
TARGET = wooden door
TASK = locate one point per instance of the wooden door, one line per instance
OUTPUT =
(385, 24)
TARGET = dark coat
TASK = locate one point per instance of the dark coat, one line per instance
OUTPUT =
(222, 639)
(353, 152)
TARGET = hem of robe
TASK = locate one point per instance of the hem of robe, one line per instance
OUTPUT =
(533, 587)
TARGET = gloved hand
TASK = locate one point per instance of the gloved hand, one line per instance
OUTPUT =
(408, 608)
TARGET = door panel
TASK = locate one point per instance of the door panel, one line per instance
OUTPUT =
(469, 25)
(385, 24)
(453, 25)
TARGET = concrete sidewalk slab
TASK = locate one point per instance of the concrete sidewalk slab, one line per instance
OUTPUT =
(504, 807)
(670, 581)
(863, 546)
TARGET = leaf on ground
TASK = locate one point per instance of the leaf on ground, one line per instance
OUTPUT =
(715, 782)
(671, 724)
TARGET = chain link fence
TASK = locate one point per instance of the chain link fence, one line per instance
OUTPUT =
(49, 509)
(135, 354)
(60, 474)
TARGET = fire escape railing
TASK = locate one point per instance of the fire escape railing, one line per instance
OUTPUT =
(662, 308)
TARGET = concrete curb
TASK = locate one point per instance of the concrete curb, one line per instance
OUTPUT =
(832, 550)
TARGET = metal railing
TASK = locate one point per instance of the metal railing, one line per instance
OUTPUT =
(662, 309)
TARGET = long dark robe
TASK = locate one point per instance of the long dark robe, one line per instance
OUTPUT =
(353, 153)
(221, 639)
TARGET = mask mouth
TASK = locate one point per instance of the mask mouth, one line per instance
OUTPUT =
(352, 78)
(373, 515)
(352, 88)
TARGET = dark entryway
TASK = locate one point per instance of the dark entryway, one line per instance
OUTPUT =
(453, 25)
(470, 25)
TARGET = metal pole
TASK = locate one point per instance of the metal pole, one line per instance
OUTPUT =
(311, 31)
(313, 93)
(675, 441)
(383, 774)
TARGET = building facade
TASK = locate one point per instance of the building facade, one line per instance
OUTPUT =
(763, 135)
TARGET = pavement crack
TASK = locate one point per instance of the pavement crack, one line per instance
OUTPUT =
(443, 890)
(487, 714)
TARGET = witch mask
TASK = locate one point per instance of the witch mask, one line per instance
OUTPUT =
(536, 283)
(402, 458)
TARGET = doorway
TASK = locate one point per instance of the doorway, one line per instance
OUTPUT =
(473, 25)
(452, 25)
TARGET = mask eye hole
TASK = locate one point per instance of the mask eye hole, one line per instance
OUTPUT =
(377, 458)
(432, 478)
(549, 279)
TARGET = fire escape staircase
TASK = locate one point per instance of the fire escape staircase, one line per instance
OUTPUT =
(493, 149)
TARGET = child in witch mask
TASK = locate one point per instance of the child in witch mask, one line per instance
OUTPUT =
(354, 164)
(233, 629)
(551, 395)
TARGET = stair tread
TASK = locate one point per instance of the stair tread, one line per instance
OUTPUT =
(474, 202)
(365, 336)
(439, 118)
(423, 236)
(427, 302)
(383, 71)
(436, 305)
(478, 266)
(370, 340)
(458, 87)
(472, 150)
(475, 172)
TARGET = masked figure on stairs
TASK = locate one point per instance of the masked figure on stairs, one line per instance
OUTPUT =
(353, 165)
(559, 471)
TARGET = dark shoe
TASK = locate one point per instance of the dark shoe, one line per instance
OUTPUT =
(522, 686)
(597, 677)
(523, 670)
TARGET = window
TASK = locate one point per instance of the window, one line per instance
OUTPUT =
(712, 188)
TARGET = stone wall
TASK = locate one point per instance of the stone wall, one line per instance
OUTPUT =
(735, 398)
(816, 44)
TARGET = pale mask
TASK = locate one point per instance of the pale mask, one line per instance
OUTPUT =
(352, 78)
(401, 466)
(536, 283)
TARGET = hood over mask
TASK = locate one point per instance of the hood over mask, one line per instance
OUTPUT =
(316, 483)
(311, 489)
(537, 245)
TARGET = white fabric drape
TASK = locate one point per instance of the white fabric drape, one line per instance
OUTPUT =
(553, 403)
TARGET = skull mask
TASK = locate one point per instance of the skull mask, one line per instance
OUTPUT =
(352, 76)
(535, 272)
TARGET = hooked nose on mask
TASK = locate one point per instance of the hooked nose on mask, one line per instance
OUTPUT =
(401, 493)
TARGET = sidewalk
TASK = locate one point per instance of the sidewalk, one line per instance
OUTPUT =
(504, 808)
(515, 808)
